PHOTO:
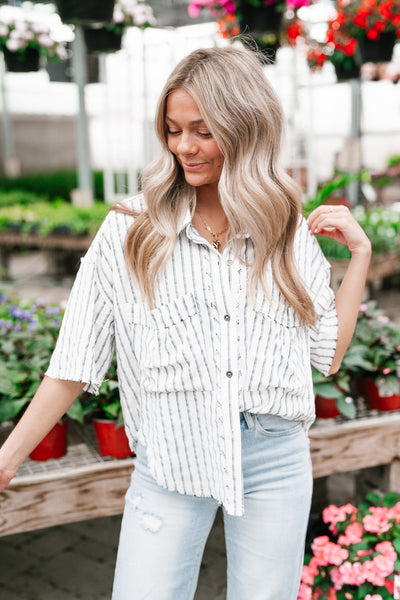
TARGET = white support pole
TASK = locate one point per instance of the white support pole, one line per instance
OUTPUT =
(84, 194)
(12, 166)
(355, 133)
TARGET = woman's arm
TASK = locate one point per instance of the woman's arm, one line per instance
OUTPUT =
(51, 401)
(336, 222)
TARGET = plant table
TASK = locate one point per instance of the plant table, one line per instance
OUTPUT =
(83, 485)
(381, 266)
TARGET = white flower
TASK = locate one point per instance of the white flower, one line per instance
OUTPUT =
(3, 30)
(44, 40)
(61, 52)
(15, 44)
(118, 15)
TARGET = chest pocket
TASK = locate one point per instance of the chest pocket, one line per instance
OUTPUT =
(169, 344)
(277, 350)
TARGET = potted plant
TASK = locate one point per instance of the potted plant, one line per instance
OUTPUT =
(376, 341)
(359, 558)
(333, 395)
(28, 336)
(127, 13)
(373, 25)
(263, 20)
(82, 12)
(24, 40)
(106, 414)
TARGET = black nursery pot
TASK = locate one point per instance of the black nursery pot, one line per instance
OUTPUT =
(102, 40)
(264, 18)
(22, 62)
(81, 12)
(380, 50)
(345, 73)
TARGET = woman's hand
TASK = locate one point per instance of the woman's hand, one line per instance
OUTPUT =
(337, 223)
(5, 477)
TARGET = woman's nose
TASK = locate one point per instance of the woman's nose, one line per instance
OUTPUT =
(186, 144)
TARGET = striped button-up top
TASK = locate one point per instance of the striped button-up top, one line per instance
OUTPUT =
(205, 352)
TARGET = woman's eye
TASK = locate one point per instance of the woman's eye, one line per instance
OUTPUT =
(206, 134)
(172, 132)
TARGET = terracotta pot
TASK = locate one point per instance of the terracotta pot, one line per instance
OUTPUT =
(85, 11)
(325, 408)
(22, 62)
(379, 50)
(375, 401)
(54, 444)
(102, 40)
(111, 440)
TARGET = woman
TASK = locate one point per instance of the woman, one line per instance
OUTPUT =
(215, 295)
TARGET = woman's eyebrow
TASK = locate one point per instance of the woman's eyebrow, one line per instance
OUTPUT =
(197, 122)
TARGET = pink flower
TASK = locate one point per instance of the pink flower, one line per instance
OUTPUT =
(394, 512)
(296, 3)
(377, 521)
(305, 593)
(336, 514)
(386, 548)
(327, 552)
(363, 308)
(373, 597)
(386, 371)
(353, 534)
(383, 319)
(310, 572)
(351, 573)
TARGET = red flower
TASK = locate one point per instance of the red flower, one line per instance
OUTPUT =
(350, 48)
(360, 21)
(372, 34)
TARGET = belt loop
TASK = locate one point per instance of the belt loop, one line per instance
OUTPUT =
(249, 419)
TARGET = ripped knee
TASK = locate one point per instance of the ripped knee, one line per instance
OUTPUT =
(148, 520)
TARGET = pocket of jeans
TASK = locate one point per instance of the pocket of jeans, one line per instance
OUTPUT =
(275, 426)
(169, 344)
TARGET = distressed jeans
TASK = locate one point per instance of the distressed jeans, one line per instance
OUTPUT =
(163, 533)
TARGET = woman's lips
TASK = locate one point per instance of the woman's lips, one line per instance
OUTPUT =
(193, 166)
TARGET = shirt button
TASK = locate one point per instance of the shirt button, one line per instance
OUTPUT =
(229, 262)
(227, 318)
(229, 374)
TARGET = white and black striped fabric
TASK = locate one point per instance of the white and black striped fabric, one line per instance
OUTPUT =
(206, 352)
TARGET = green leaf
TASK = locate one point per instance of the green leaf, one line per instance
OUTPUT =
(348, 409)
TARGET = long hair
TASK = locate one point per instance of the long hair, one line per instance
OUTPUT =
(245, 117)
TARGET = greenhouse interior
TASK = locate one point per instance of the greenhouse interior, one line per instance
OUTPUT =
(81, 85)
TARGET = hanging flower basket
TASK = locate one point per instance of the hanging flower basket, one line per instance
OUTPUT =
(379, 402)
(54, 444)
(85, 11)
(379, 50)
(111, 440)
(102, 40)
(22, 61)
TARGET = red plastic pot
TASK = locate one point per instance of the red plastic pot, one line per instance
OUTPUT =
(111, 440)
(375, 401)
(325, 408)
(54, 444)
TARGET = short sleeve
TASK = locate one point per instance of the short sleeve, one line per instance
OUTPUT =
(85, 345)
(323, 336)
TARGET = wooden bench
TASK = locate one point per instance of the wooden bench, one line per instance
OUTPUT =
(63, 251)
(83, 485)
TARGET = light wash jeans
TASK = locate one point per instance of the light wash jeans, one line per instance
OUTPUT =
(163, 533)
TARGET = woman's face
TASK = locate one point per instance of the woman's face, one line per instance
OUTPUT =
(191, 142)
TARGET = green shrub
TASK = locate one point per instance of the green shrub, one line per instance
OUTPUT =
(20, 197)
(44, 218)
(55, 184)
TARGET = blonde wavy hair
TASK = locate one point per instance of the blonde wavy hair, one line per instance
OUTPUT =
(245, 117)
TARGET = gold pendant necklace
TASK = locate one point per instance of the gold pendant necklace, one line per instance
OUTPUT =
(216, 242)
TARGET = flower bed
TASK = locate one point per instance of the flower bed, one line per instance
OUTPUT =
(360, 557)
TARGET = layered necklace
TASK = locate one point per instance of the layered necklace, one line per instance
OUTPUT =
(216, 242)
